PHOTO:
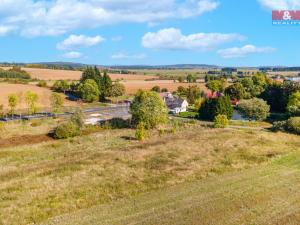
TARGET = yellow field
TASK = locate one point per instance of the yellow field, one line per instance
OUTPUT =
(20, 90)
(49, 74)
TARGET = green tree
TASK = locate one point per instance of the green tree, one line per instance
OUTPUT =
(1, 111)
(31, 99)
(156, 89)
(215, 86)
(235, 91)
(57, 102)
(12, 102)
(216, 106)
(193, 93)
(254, 109)
(106, 85)
(91, 73)
(181, 91)
(190, 78)
(293, 106)
(61, 86)
(117, 89)
(277, 96)
(148, 108)
(89, 90)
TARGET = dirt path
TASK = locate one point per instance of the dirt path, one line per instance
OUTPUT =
(24, 140)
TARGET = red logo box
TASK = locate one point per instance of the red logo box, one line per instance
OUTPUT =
(286, 15)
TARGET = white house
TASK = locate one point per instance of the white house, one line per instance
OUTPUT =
(175, 104)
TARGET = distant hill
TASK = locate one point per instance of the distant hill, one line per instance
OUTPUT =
(80, 66)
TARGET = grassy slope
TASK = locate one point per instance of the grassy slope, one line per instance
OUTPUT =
(49, 179)
(269, 195)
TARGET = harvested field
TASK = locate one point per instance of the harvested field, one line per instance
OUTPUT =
(20, 90)
(133, 86)
(48, 74)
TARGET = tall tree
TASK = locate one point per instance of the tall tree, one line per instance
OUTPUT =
(12, 102)
(31, 99)
(149, 109)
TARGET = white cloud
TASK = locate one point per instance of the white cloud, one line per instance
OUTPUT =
(55, 17)
(75, 41)
(72, 55)
(173, 39)
(243, 51)
(124, 56)
(280, 4)
(4, 30)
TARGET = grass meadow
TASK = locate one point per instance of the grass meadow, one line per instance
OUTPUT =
(81, 176)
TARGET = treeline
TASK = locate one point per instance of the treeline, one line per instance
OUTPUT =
(14, 73)
(93, 86)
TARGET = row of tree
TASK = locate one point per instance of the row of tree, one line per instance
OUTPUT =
(31, 99)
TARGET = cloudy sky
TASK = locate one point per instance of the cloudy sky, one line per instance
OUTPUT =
(127, 32)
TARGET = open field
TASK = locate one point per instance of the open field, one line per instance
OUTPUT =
(49, 179)
(20, 89)
(133, 86)
(285, 73)
(266, 195)
(48, 74)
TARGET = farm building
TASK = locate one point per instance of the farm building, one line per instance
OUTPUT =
(175, 104)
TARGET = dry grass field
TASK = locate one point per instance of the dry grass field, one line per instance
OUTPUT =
(48, 74)
(133, 86)
(285, 73)
(20, 89)
(48, 179)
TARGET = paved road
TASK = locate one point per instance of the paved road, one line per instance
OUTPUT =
(106, 112)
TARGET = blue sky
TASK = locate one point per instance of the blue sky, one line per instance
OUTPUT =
(138, 32)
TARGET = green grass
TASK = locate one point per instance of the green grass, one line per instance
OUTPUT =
(266, 195)
(50, 179)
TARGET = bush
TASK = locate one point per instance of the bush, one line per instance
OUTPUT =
(254, 109)
(156, 89)
(42, 83)
(221, 121)
(279, 126)
(117, 90)
(78, 119)
(67, 130)
(140, 133)
(293, 125)
(164, 90)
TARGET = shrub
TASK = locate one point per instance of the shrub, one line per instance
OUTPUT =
(293, 125)
(78, 118)
(221, 121)
(164, 90)
(42, 83)
(254, 109)
(117, 90)
(156, 89)
(67, 130)
(140, 133)
(293, 106)
(279, 126)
